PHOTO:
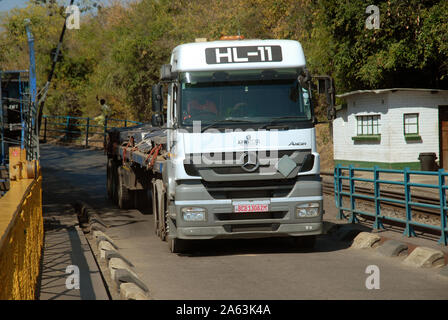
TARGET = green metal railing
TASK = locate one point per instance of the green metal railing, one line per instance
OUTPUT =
(79, 129)
(407, 201)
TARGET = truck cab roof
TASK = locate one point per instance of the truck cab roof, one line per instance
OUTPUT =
(237, 55)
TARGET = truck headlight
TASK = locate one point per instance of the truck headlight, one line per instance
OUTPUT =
(307, 210)
(194, 214)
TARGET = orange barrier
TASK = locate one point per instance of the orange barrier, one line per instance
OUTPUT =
(21, 229)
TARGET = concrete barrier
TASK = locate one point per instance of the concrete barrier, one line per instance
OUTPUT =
(130, 291)
(21, 229)
(425, 258)
(103, 247)
(393, 248)
(365, 240)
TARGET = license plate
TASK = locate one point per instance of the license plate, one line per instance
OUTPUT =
(250, 206)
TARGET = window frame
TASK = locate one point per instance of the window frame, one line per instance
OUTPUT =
(372, 123)
(412, 136)
(417, 123)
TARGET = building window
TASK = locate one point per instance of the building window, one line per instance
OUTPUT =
(367, 128)
(410, 126)
(410, 122)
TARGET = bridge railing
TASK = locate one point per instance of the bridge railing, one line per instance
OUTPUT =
(80, 129)
(408, 200)
(21, 229)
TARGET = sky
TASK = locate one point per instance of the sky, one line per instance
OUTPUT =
(6, 5)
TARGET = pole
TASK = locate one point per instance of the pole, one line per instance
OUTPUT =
(33, 114)
(50, 75)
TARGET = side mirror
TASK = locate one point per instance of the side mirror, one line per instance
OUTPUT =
(304, 78)
(325, 85)
(157, 98)
(157, 120)
(165, 73)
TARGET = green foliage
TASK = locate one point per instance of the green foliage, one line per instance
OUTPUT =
(117, 53)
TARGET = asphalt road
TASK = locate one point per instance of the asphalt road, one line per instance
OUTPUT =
(230, 269)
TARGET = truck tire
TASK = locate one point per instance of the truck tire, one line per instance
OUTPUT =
(123, 194)
(154, 208)
(305, 242)
(159, 209)
(178, 245)
(147, 200)
(142, 201)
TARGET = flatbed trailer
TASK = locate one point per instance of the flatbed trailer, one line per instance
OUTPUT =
(152, 163)
(134, 176)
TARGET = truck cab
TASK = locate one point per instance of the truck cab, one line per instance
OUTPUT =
(241, 143)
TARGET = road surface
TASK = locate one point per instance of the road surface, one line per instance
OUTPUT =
(230, 269)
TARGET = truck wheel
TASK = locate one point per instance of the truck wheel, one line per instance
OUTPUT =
(141, 202)
(154, 208)
(124, 196)
(114, 183)
(305, 242)
(178, 245)
(159, 209)
(147, 197)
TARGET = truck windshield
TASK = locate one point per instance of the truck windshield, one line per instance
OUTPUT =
(236, 97)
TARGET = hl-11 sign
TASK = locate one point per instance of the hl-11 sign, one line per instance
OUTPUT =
(243, 54)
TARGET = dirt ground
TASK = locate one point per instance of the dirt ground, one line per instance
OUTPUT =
(324, 139)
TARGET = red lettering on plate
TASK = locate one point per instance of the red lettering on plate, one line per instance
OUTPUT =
(251, 208)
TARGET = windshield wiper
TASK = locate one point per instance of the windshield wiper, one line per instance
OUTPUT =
(274, 121)
(225, 121)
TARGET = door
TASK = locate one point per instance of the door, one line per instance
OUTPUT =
(443, 136)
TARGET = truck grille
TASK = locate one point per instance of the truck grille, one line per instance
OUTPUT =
(249, 189)
(251, 215)
(251, 227)
(211, 161)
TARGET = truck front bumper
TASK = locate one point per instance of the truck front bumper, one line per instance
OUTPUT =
(221, 222)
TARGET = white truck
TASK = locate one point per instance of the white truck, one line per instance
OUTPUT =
(233, 154)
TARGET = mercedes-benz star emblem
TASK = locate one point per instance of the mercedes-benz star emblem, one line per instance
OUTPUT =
(250, 161)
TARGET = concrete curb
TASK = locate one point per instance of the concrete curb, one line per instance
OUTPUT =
(104, 246)
(365, 240)
(130, 291)
(129, 285)
(393, 248)
(109, 254)
(101, 236)
(97, 227)
(424, 257)
(125, 276)
(118, 266)
(89, 220)
(117, 263)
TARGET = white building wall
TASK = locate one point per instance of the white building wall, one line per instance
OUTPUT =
(391, 106)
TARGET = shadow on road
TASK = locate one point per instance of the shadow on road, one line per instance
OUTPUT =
(227, 247)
